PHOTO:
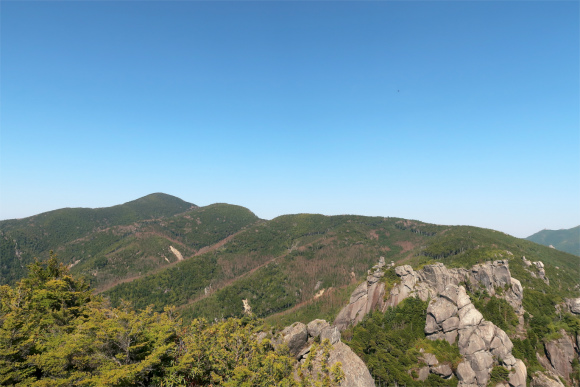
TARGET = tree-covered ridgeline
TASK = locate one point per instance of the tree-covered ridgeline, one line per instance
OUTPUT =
(112, 244)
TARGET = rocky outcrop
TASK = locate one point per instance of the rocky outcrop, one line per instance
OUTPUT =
(559, 355)
(425, 283)
(541, 272)
(432, 366)
(428, 283)
(295, 337)
(548, 379)
(573, 305)
(451, 317)
(356, 373)
(366, 297)
(300, 339)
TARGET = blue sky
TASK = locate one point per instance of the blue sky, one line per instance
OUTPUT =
(445, 112)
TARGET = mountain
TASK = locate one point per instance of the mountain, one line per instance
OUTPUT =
(411, 317)
(114, 244)
(563, 240)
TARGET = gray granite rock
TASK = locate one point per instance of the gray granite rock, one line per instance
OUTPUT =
(519, 376)
(465, 373)
(314, 327)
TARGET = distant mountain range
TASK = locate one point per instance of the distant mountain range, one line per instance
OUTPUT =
(564, 240)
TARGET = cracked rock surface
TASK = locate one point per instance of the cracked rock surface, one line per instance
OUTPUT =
(480, 342)
(300, 337)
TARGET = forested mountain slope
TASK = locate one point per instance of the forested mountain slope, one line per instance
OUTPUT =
(278, 265)
(563, 240)
(115, 244)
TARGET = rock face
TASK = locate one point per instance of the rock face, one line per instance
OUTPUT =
(540, 379)
(542, 272)
(295, 336)
(452, 316)
(426, 284)
(560, 354)
(367, 297)
(300, 338)
(433, 279)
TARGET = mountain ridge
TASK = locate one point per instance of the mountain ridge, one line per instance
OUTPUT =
(212, 262)
(138, 227)
(567, 240)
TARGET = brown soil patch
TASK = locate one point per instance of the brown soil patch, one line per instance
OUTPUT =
(216, 246)
(373, 234)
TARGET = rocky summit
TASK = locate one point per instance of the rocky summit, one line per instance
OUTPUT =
(451, 316)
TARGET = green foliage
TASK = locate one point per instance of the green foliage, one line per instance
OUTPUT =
(498, 374)
(526, 350)
(54, 332)
(390, 279)
(227, 354)
(443, 351)
(315, 370)
(173, 286)
(280, 265)
(265, 289)
(325, 307)
(498, 311)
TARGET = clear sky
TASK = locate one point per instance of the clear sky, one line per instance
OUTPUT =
(445, 112)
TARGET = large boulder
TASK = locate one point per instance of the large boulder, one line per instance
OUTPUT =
(330, 333)
(480, 342)
(423, 373)
(517, 377)
(430, 359)
(315, 327)
(438, 276)
(469, 317)
(442, 370)
(295, 336)
(451, 324)
(442, 309)
(574, 305)
(492, 275)
(431, 325)
(356, 374)
(465, 373)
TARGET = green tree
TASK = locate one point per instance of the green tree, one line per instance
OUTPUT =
(53, 332)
